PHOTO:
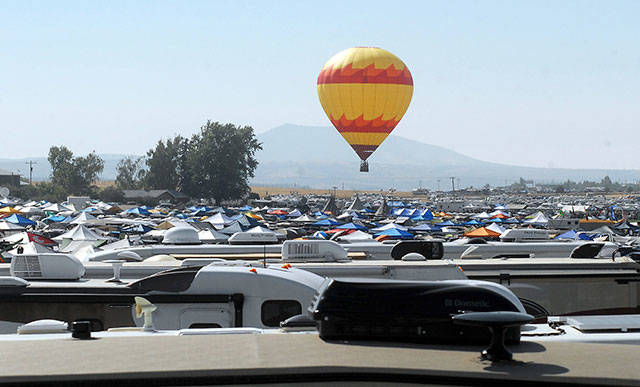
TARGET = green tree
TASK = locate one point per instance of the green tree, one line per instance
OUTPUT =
(131, 174)
(163, 163)
(111, 194)
(220, 161)
(74, 175)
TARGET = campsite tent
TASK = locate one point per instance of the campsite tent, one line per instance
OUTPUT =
(394, 233)
(351, 226)
(20, 220)
(482, 232)
(79, 233)
(356, 236)
(389, 226)
(496, 227)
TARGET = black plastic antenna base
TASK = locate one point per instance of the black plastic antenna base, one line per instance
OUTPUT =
(497, 322)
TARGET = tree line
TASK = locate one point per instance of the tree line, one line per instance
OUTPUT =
(215, 163)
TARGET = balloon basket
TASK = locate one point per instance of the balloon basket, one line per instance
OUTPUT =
(364, 166)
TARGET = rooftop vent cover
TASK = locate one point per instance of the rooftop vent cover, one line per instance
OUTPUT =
(181, 236)
(26, 266)
(313, 251)
(47, 267)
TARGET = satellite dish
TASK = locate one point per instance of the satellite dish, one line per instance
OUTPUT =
(4, 192)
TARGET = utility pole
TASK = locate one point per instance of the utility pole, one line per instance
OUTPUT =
(438, 180)
(31, 163)
(453, 184)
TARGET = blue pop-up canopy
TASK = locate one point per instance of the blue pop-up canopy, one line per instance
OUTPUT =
(571, 234)
(351, 226)
(325, 222)
(424, 227)
(395, 233)
(21, 220)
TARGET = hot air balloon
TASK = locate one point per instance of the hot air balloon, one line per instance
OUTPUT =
(365, 91)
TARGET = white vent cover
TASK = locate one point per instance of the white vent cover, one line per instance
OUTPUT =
(181, 236)
(26, 266)
(313, 251)
(43, 326)
(47, 266)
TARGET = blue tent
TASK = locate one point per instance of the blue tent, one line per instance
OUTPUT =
(396, 203)
(246, 207)
(426, 214)
(199, 213)
(320, 234)
(199, 208)
(424, 227)
(55, 218)
(351, 226)
(571, 234)
(139, 228)
(493, 220)
(395, 233)
(138, 211)
(325, 222)
(472, 222)
(396, 211)
(21, 220)
(446, 223)
(586, 237)
(408, 212)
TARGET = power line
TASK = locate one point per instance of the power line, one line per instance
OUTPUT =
(31, 163)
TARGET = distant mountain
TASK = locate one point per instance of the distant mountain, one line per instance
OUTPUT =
(42, 169)
(318, 157)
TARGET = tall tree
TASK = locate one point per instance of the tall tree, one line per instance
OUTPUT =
(163, 163)
(131, 173)
(75, 175)
(220, 160)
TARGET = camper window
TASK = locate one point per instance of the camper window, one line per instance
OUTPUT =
(274, 311)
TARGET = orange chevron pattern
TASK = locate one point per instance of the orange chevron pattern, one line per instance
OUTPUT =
(365, 92)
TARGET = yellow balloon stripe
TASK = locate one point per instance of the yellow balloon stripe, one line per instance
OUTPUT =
(371, 100)
(356, 138)
(361, 57)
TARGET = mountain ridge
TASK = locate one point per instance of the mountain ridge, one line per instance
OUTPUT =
(318, 157)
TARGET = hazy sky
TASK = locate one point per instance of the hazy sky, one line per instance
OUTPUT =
(531, 83)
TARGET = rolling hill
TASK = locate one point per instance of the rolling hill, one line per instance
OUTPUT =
(318, 157)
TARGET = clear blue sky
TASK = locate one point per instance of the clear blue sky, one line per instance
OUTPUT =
(535, 83)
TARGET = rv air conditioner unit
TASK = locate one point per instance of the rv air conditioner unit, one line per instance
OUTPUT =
(313, 251)
(47, 267)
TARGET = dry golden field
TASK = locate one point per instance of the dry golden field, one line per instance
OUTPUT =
(264, 191)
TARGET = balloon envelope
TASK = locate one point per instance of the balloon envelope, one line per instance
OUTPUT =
(365, 91)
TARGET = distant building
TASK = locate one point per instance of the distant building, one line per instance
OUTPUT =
(451, 205)
(154, 195)
(9, 178)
